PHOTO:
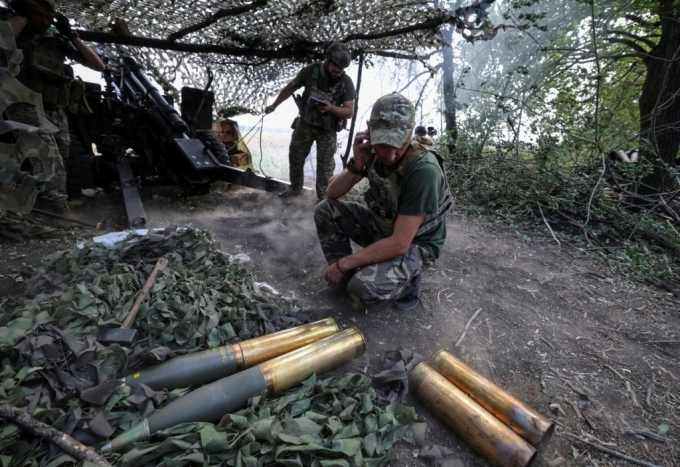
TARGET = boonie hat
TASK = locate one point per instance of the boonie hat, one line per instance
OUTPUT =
(392, 119)
(339, 53)
(43, 6)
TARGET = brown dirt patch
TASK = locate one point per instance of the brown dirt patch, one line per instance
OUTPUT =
(553, 323)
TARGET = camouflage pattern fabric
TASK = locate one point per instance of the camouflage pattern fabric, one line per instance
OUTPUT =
(300, 145)
(44, 6)
(56, 370)
(59, 143)
(338, 222)
(339, 53)
(18, 187)
(392, 120)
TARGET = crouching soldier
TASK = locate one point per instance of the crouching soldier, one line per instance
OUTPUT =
(400, 221)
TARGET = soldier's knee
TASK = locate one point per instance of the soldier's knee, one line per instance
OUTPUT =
(364, 291)
(325, 210)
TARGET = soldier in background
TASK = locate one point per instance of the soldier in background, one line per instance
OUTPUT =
(46, 39)
(326, 103)
(422, 137)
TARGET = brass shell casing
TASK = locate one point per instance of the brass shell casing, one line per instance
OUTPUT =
(260, 349)
(522, 419)
(286, 371)
(487, 435)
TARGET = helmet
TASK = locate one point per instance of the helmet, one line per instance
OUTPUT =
(420, 130)
(43, 6)
(339, 54)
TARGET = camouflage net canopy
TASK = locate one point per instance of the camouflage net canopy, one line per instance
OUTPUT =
(254, 48)
(53, 367)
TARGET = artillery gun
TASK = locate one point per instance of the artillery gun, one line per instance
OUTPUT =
(143, 140)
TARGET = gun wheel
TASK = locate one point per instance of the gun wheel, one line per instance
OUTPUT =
(217, 147)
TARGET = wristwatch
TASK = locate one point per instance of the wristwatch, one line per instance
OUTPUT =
(351, 167)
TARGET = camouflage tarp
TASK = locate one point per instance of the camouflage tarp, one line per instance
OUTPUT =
(258, 46)
(53, 366)
(18, 187)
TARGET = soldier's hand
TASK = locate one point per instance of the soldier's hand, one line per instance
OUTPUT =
(63, 26)
(362, 149)
(333, 275)
(269, 109)
(324, 108)
(20, 7)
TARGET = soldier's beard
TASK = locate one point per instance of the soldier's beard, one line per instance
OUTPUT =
(331, 77)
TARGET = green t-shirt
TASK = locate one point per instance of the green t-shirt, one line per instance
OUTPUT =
(305, 75)
(422, 190)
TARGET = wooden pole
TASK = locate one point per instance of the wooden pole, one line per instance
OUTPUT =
(54, 436)
(160, 264)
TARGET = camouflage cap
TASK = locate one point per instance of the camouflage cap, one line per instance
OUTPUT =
(392, 119)
(339, 53)
(43, 6)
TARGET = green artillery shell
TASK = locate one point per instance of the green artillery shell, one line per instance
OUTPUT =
(204, 367)
(210, 402)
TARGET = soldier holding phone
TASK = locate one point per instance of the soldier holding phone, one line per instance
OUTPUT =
(326, 103)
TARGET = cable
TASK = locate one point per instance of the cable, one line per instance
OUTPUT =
(244, 136)
(261, 127)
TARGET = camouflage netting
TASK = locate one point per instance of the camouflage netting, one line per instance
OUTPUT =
(258, 46)
(53, 367)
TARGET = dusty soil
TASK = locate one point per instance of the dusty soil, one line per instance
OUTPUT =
(556, 328)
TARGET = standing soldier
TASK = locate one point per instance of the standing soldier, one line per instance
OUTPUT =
(327, 101)
(46, 39)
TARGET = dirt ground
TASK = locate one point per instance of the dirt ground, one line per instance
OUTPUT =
(593, 350)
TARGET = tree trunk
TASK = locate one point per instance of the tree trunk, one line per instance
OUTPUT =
(660, 101)
(449, 91)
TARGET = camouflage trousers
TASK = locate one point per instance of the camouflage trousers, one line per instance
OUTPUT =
(338, 222)
(300, 145)
(25, 113)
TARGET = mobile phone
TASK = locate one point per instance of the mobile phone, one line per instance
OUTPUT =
(317, 101)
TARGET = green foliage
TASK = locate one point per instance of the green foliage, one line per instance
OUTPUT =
(510, 185)
(52, 365)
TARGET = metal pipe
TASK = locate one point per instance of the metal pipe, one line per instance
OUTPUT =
(213, 364)
(487, 435)
(210, 402)
(522, 419)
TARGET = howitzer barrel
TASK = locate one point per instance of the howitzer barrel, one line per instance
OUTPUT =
(487, 435)
(213, 364)
(210, 402)
(523, 420)
(162, 117)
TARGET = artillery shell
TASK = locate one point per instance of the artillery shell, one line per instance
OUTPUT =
(210, 402)
(487, 435)
(522, 419)
(204, 367)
